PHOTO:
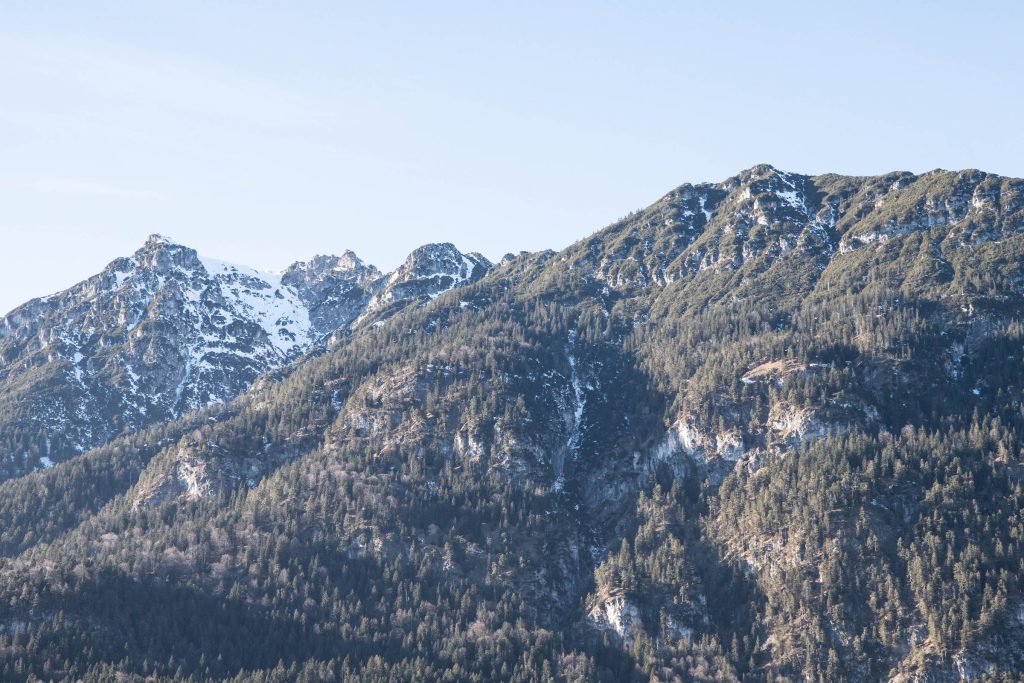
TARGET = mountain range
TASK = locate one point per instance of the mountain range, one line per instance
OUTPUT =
(167, 331)
(764, 429)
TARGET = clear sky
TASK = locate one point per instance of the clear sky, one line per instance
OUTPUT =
(266, 132)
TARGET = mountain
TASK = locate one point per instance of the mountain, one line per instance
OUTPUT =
(767, 429)
(167, 331)
(429, 271)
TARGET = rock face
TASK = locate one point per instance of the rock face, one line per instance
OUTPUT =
(335, 290)
(619, 616)
(765, 216)
(429, 271)
(166, 331)
(764, 429)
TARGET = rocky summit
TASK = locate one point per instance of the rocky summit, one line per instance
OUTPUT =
(166, 331)
(765, 429)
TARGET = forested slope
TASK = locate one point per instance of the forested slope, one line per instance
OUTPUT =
(765, 429)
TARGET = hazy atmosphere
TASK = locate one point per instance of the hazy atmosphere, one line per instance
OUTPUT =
(339, 125)
(231, 125)
(527, 342)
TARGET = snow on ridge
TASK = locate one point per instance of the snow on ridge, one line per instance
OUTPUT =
(469, 264)
(792, 196)
(274, 306)
(160, 238)
(707, 214)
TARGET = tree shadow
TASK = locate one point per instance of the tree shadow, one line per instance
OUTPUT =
(124, 621)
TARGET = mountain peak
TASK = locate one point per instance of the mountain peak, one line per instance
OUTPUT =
(161, 251)
(441, 259)
(762, 169)
(433, 249)
(157, 238)
(349, 261)
(426, 273)
(762, 172)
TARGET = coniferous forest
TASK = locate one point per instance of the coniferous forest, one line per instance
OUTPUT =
(768, 429)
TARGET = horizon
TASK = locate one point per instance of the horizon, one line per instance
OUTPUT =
(493, 258)
(265, 135)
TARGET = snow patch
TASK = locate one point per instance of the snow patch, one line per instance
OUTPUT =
(272, 305)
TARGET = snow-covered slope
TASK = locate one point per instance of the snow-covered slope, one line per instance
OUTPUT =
(426, 273)
(334, 289)
(166, 331)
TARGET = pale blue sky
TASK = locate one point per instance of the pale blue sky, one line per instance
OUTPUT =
(264, 132)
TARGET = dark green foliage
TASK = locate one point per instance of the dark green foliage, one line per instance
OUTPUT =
(485, 488)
